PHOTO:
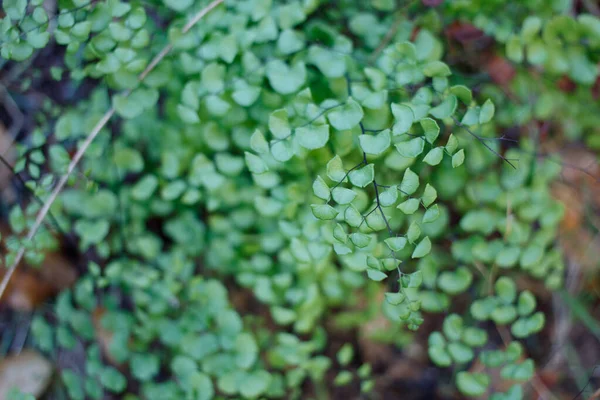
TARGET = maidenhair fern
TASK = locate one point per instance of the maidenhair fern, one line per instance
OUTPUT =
(296, 150)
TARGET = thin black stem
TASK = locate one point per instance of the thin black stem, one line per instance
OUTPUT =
(482, 141)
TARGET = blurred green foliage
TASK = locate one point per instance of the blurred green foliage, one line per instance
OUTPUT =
(275, 150)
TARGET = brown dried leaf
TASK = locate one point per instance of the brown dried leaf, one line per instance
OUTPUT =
(28, 371)
(432, 3)
(573, 206)
(31, 287)
(58, 271)
(104, 336)
(25, 291)
(8, 153)
(501, 70)
(463, 32)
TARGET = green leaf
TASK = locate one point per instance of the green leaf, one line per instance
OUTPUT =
(340, 234)
(187, 114)
(128, 159)
(21, 51)
(463, 93)
(452, 144)
(429, 195)
(528, 326)
(409, 206)
(127, 107)
(396, 243)
(411, 148)
(453, 327)
(506, 289)
(343, 195)
(346, 116)
(258, 143)
(514, 49)
(431, 214)
(15, 9)
(531, 256)
(81, 30)
(212, 77)
(360, 239)
(434, 157)
(472, 384)
(446, 108)
(455, 282)
(113, 380)
(483, 308)
(413, 280)
(285, 79)
(508, 256)
(362, 177)
(255, 164)
(38, 40)
(431, 129)
(313, 137)
(439, 356)
(403, 117)
(246, 351)
(254, 384)
(279, 124)
(352, 216)
(519, 372)
(178, 5)
(290, 41)
(388, 197)
(376, 77)
(320, 189)
(395, 298)
(332, 65)
(345, 354)
(474, 337)
(282, 150)
(91, 232)
(375, 275)
(246, 96)
(72, 383)
(376, 221)
(410, 182)
(458, 158)
(487, 112)
(460, 352)
(376, 144)
(436, 68)
(324, 211)
(203, 386)
(343, 378)
(526, 304)
(423, 248)
(335, 169)
(144, 366)
(43, 333)
(414, 232)
(531, 26)
(503, 315)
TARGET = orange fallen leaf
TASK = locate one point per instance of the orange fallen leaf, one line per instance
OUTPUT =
(31, 287)
(58, 271)
(25, 291)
